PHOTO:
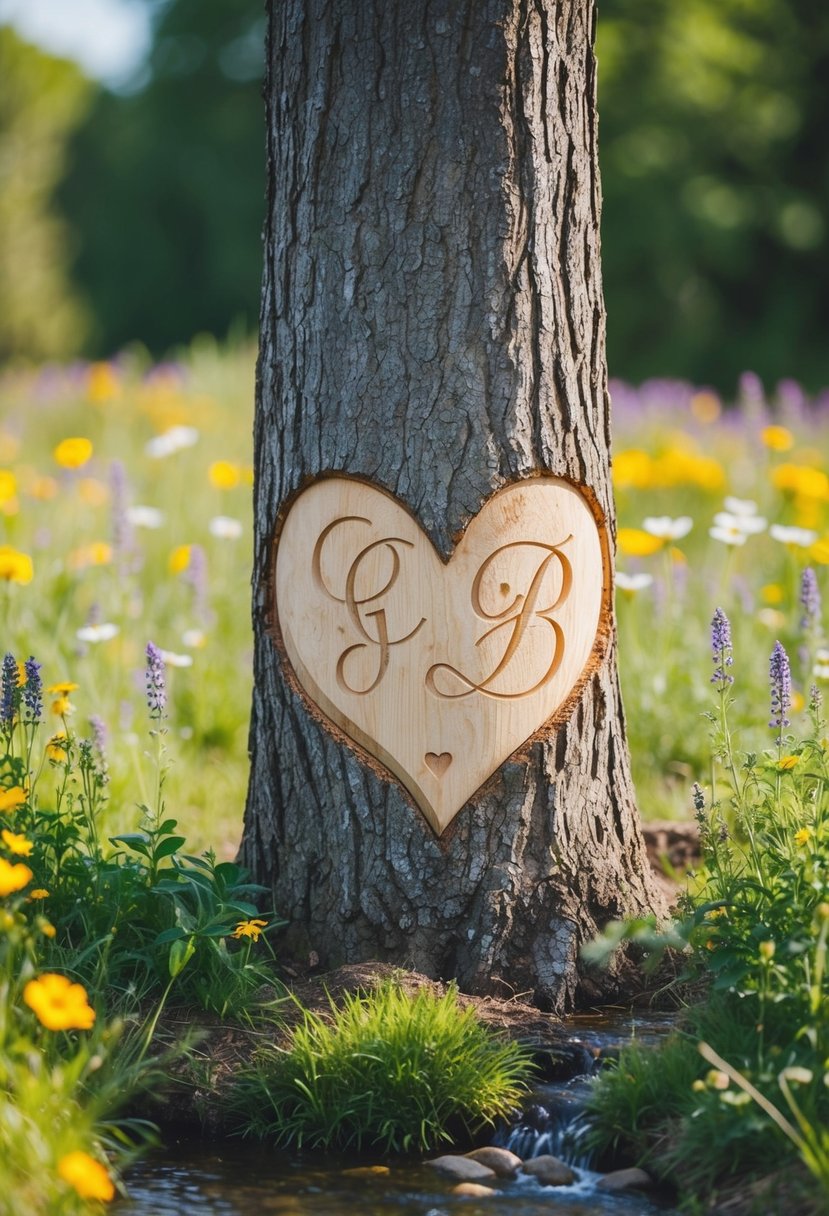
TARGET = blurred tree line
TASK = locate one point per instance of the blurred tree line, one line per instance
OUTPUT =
(715, 172)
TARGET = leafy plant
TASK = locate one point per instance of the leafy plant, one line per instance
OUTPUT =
(386, 1070)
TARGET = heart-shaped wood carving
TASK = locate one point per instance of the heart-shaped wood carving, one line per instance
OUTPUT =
(439, 670)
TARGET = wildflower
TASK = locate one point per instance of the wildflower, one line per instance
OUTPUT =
(43, 489)
(821, 668)
(800, 1076)
(105, 631)
(145, 517)
(197, 638)
(819, 551)
(62, 707)
(73, 453)
(801, 537)
(14, 876)
(250, 928)
(46, 927)
(56, 748)
(802, 836)
(740, 506)
(721, 650)
(92, 492)
(59, 1004)
(780, 680)
(802, 480)
(102, 383)
(706, 406)
(633, 582)
(667, 528)
(766, 951)
(32, 690)
(179, 559)
(698, 1086)
(772, 593)
(747, 524)
(99, 734)
(225, 527)
(634, 542)
(777, 438)
(223, 475)
(96, 553)
(15, 567)
(716, 1079)
(12, 798)
(196, 576)
(171, 659)
(809, 601)
(154, 676)
(86, 1176)
(772, 618)
(786, 763)
(38, 893)
(171, 441)
(9, 690)
(727, 536)
(16, 844)
(632, 468)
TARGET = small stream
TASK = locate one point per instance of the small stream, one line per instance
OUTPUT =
(239, 1179)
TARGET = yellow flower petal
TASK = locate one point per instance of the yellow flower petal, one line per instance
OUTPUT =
(86, 1176)
(634, 542)
(73, 453)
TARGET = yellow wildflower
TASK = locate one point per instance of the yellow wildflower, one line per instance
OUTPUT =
(224, 475)
(819, 551)
(716, 1079)
(102, 383)
(772, 593)
(802, 836)
(63, 688)
(46, 927)
(179, 559)
(13, 877)
(15, 567)
(43, 488)
(73, 453)
(86, 1176)
(12, 798)
(62, 706)
(8, 485)
(785, 763)
(634, 542)
(801, 479)
(56, 748)
(250, 928)
(777, 438)
(766, 951)
(59, 1004)
(39, 893)
(92, 492)
(705, 406)
(16, 844)
(698, 1086)
(632, 468)
(96, 553)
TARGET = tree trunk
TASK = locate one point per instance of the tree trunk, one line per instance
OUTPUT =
(433, 323)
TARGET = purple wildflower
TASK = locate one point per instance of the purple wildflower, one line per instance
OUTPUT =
(156, 688)
(780, 679)
(122, 536)
(809, 601)
(33, 690)
(196, 576)
(721, 650)
(99, 734)
(9, 694)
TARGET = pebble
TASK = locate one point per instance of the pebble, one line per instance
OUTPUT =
(366, 1171)
(473, 1189)
(461, 1168)
(501, 1160)
(549, 1171)
(625, 1180)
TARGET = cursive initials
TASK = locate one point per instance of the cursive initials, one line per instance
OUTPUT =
(356, 605)
(519, 615)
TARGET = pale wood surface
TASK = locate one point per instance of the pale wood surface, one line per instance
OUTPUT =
(439, 670)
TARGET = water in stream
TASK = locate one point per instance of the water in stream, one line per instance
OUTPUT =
(237, 1179)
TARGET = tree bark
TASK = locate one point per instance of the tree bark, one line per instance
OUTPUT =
(433, 322)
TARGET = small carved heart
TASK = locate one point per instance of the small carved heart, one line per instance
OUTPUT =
(438, 763)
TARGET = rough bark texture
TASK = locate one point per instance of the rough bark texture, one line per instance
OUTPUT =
(433, 320)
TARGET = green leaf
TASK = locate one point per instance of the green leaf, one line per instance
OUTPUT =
(171, 845)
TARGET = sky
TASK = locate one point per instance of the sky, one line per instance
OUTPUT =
(108, 38)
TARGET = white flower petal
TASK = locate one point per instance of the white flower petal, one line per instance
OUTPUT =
(727, 536)
(97, 633)
(793, 536)
(225, 527)
(633, 582)
(176, 660)
(667, 528)
(145, 517)
(740, 506)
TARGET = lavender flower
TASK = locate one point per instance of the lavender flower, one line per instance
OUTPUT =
(99, 734)
(721, 650)
(156, 689)
(809, 601)
(9, 695)
(33, 690)
(780, 679)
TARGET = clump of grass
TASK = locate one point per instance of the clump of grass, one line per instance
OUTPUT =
(387, 1071)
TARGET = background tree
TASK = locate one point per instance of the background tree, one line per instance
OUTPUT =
(433, 321)
(41, 100)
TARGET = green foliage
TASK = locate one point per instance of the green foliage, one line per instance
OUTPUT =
(166, 189)
(714, 174)
(42, 101)
(755, 932)
(386, 1070)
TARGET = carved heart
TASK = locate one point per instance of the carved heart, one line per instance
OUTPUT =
(440, 670)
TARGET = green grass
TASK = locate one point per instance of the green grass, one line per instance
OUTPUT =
(387, 1071)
